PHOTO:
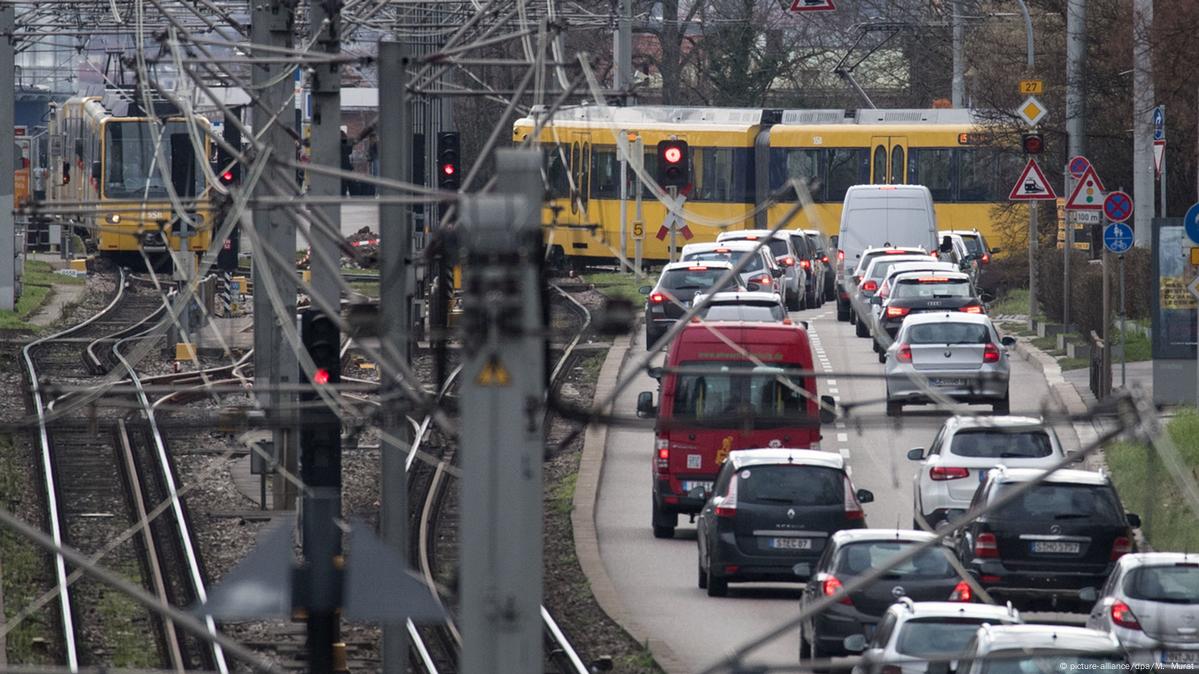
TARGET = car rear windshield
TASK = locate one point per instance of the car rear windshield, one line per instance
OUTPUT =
(744, 312)
(777, 247)
(880, 267)
(926, 637)
(972, 244)
(858, 558)
(1175, 584)
(732, 257)
(1061, 502)
(948, 333)
(993, 443)
(926, 289)
(1008, 661)
(694, 279)
(791, 485)
(728, 393)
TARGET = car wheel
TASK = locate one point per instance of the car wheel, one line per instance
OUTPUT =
(1003, 406)
(843, 313)
(894, 409)
(717, 587)
(859, 328)
(829, 294)
(703, 576)
(816, 653)
(651, 336)
(794, 302)
(882, 356)
(664, 524)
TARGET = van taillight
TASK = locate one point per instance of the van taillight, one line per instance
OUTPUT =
(986, 545)
(663, 456)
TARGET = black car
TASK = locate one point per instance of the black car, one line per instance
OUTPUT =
(809, 261)
(1051, 541)
(918, 292)
(929, 576)
(667, 301)
(771, 512)
(823, 248)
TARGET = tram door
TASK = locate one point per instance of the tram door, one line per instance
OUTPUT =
(889, 160)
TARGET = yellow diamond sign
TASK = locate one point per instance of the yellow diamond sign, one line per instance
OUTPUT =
(1031, 111)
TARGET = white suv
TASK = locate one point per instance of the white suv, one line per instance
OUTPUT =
(910, 633)
(964, 450)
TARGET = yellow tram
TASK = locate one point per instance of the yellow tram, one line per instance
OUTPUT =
(741, 156)
(113, 168)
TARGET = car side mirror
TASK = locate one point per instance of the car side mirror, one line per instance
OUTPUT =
(834, 240)
(1007, 340)
(855, 643)
(655, 372)
(645, 290)
(1088, 594)
(828, 407)
(995, 251)
(1134, 520)
(645, 405)
(777, 272)
(865, 496)
(916, 454)
(986, 297)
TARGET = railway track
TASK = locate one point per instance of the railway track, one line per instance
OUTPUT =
(436, 648)
(102, 517)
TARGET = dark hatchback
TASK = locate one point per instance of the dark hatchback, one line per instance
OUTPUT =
(771, 513)
(667, 301)
(929, 576)
(918, 292)
(1051, 541)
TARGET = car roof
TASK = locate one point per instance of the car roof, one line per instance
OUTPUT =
(955, 275)
(954, 609)
(946, 317)
(1139, 559)
(758, 233)
(737, 244)
(1061, 476)
(899, 259)
(743, 296)
(714, 264)
(742, 458)
(959, 422)
(964, 232)
(864, 535)
(1058, 637)
(879, 250)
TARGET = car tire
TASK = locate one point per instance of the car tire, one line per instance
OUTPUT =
(664, 524)
(859, 328)
(815, 652)
(894, 409)
(843, 313)
(702, 577)
(794, 302)
(717, 587)
(829, 291)
(882, 356)
(651, 337)
(1003, 406)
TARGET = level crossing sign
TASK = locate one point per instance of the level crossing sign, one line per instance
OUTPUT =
(812, 5)
(1032, 185)
(674, 218)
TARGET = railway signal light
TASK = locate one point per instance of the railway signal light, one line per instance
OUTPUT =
(322, 341)
(674, 163)
(1033, 143)
(448, 162)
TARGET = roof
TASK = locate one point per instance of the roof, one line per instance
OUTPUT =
(739, 244)
(1002, 637)
(742, 458)
(1138, 559)
(946, 317)
(938, 273)
(961, 421)
(714, 264)
(930, 264)
(1062, 476)
(861, 535)
(742, 297)
(963, 232)
(957, 609)
(875, 250)
(736, 234)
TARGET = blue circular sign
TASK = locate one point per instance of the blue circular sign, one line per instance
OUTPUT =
(1191, 223)
(1117, 206)
(1117, 237)
(1078, 166)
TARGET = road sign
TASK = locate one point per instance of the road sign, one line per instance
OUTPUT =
(1032, 185)
(1159, 155)
(1032, 87)
(1117, 206)
(1117, 237)
(1159, 123)
(1088, 193)
(1031, 111)
(1193, 286)
(673, 220)
(1191, 223)
(1078, 165)
(811, 5)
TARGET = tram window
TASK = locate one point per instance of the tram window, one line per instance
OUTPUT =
(650, 164)
(933, 169)
(880, 165)
(976, 175)
(138, 158)
(846, 167)
(722, 174)
(605, 173)
(801, 164)
(555, 172)
(896, 165)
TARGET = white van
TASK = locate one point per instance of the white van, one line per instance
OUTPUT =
(880, 216)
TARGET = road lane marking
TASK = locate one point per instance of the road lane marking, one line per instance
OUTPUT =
(834, 390)
(843, 437)
(832, 382)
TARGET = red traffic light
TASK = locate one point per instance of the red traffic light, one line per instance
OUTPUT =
(1033, 143)
(321, 376)
(448, 169)
(673, 154)
(227, 176)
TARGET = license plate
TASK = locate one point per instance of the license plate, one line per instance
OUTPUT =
(947, 382)
(790, 543)
(690, 485)
(1056, 547)
(1181, 657)
(982, 475)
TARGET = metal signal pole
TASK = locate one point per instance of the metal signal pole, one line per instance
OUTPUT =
(8, 223)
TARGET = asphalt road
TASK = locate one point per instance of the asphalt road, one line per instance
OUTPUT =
(657, 578)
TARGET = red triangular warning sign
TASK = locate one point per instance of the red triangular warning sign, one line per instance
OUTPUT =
(811, 5)
(1088, 193)
(1032, 185)
(1159, 153)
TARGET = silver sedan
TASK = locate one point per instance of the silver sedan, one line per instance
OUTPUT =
(952, 355)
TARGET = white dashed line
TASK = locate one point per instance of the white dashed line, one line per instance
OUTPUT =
(843, 437)
(834, 390)
(832, 382)
(841, 425)
(844, 453)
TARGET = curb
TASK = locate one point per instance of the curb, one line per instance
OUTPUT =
(1064, 391)
(582, 516)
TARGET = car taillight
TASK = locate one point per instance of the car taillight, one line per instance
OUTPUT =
(728, 505)
(904, 354)
(986, 546)
(870, 285)
(832, 586)
(663, 456)
(806, 264)
(972, 309)
(986, 258)
(657, 298)
(1123, 616)
(763, 280)
(898, 312)
(990, 354)
(824, 258)
(961, 592)
(840, 256)
(787, 261)
(853, 509)
(1120, 547)
(942, 473)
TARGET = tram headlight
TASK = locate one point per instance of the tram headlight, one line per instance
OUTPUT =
(114, 218)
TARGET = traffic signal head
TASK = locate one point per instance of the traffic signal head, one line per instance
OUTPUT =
(674, 163)
(229, 175)
(322, 341)
(1033, 143)
(448, 163)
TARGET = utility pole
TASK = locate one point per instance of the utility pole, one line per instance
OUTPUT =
(501, 440)
(959, 58)
(395, 319)
(324, 17)
(8, 222)
(275, 367)
(622, 48)
(1076, 54)
(1142, 122)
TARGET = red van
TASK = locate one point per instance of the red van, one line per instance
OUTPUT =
(713, 400)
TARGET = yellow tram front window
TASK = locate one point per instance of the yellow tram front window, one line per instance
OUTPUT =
(138, 161)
